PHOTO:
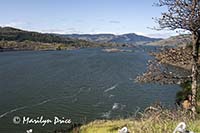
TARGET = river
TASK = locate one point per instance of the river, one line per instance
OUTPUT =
(80, 85)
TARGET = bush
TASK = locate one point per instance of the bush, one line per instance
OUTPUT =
(186, 90)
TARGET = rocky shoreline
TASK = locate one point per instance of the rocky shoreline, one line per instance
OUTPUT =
(158, 70)
(179, 57)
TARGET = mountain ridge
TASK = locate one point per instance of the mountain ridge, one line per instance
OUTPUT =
(128, 38)
(17, 39)
(179, 40)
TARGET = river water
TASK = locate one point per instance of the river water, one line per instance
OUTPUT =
(80, 85)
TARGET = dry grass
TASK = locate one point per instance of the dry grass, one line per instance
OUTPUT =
(136, 126)
(153, 120)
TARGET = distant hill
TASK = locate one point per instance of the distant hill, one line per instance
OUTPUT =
(17, 39)
(180, 40)
(91, 37)
(14, 34)
(131, 38)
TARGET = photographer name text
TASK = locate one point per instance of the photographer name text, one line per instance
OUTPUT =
(41, 120)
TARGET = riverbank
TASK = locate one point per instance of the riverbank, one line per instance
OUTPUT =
(40, 46)
(153, 120)
(179, 57)
(135, 126)
(33, 46)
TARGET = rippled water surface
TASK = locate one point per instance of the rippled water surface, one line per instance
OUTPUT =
(81, 85)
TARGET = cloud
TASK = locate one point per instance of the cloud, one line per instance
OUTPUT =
(59, 31)
(141, 33)
(62, 31)
(16, 23)
(11, 24)
(161, 35)
(114, 21)
(73, 31)
(101, 20)
(157, 34)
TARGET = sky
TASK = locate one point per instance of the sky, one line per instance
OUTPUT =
(83, 16)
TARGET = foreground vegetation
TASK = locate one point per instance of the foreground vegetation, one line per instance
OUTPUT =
(135, 126)
(155, 121)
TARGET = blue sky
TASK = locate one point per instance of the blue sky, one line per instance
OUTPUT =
(82, 16)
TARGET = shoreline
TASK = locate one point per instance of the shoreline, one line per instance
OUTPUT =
(178, 57)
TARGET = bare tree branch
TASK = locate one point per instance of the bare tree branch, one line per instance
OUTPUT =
(184, 14)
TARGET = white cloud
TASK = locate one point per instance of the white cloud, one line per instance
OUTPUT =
(114, 22)
(62, 31)
(141, 33)
(15, 24)
(158, 34)
(56, 31)
(73, 31)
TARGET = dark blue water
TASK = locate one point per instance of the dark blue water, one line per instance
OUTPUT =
(81, 85)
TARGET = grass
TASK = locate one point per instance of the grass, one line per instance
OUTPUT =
(154, 119)
(137, 126)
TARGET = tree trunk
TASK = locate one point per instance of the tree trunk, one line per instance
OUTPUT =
(195, 57)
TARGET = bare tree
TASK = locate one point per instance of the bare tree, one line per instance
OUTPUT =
(185, 15)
